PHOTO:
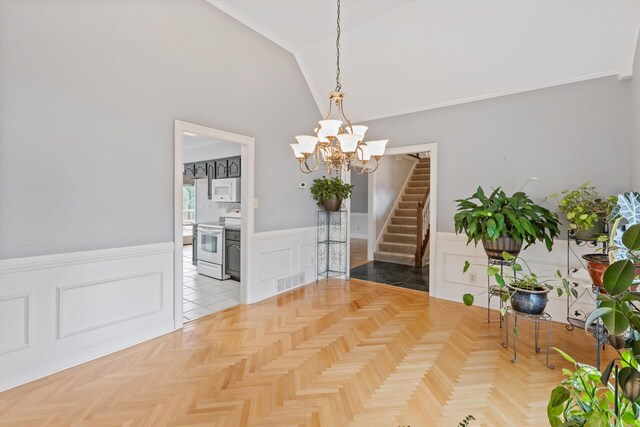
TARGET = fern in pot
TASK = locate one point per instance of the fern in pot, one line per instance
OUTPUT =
(504, 223)
(330, 192)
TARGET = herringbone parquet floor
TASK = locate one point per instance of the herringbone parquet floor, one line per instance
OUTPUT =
(331, 354)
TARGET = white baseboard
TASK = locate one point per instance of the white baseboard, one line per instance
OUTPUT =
(57, 311)
(451, 283)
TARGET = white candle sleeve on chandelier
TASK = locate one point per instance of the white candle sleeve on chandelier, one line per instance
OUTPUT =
(329, 128)
(307, 143)
(349, 142)
(376, 148)
(296, 151)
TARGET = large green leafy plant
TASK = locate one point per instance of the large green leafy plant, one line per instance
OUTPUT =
(584, 207)
(498, 215)
(325, 188)
(611, 398)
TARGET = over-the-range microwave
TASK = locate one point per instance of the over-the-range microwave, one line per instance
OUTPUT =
(225, 190)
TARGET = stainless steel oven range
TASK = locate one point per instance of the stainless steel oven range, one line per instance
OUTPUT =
(211, 251)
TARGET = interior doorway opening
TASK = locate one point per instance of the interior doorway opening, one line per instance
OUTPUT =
(399, 246)
(213, 220)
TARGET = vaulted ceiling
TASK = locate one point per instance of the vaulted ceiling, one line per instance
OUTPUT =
(402, 56)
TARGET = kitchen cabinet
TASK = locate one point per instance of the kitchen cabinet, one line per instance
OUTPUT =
(195, 170)
(221, 168)
(232, 253)
(233, 167)
(228, 168)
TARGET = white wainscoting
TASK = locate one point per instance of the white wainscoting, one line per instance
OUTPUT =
(57, 311)
(359, 225)
(282, 260)
(451, 283)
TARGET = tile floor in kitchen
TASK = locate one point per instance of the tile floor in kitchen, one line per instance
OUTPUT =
(203, 295)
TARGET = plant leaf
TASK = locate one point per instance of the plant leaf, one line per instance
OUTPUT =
(615, 321)
(629, 380)
(595, 314)
(604, 378)
(618, 277)
(500, 280)
(466, 266)
(559, 395)
(467, 299)
(631, 238)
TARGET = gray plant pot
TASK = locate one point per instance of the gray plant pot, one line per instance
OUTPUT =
(529, 302)
(495, 248)
(591, 233)
(333, 204)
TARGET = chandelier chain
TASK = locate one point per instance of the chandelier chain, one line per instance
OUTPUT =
(338, 85)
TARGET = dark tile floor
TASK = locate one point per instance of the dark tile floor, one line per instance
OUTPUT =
(388, 273)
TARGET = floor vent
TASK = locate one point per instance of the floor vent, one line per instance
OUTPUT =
(287, 282)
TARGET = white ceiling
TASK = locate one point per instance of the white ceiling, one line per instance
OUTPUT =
(403, 56)
(190, 141)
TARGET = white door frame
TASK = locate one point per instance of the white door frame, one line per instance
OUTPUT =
(432, 148)
(247, 182)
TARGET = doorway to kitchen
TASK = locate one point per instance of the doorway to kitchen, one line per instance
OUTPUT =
(213, 220)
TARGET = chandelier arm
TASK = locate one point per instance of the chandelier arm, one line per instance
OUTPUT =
(345, 117)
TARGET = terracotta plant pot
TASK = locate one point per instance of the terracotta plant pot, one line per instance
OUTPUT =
(495, 248)
(596, 265)
(333, 204)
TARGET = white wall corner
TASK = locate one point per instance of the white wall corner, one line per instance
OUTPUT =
(626, 64)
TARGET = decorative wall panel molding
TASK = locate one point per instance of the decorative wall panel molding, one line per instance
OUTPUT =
(57, 311)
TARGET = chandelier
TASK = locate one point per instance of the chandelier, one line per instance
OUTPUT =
(337, 143)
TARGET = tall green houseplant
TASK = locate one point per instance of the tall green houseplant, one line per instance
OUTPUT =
(504, 223)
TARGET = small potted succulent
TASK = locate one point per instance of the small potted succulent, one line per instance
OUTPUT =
(586, 211)
(329, 192)
(503, 223)
(527, 292)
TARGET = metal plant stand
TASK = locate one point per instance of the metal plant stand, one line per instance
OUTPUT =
(497, 290)
(536, 318)
(576, 317)
(331, 244)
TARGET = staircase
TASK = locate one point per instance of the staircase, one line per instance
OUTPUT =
(398, 244)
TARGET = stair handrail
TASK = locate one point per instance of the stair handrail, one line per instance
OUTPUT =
(422, 227)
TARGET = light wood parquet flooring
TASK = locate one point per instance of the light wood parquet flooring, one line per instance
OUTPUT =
(334, 353)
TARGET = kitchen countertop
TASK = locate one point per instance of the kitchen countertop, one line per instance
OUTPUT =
(222, 224)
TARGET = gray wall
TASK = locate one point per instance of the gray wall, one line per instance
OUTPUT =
(634, 142)
(89, 91)
(390, 178)
(359, 197)
(564, 135)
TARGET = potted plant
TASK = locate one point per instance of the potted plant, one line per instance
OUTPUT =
(610, 398)
(503, 223)
(329, 192)
(585, 210)
(626, 213)
(527, 292)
